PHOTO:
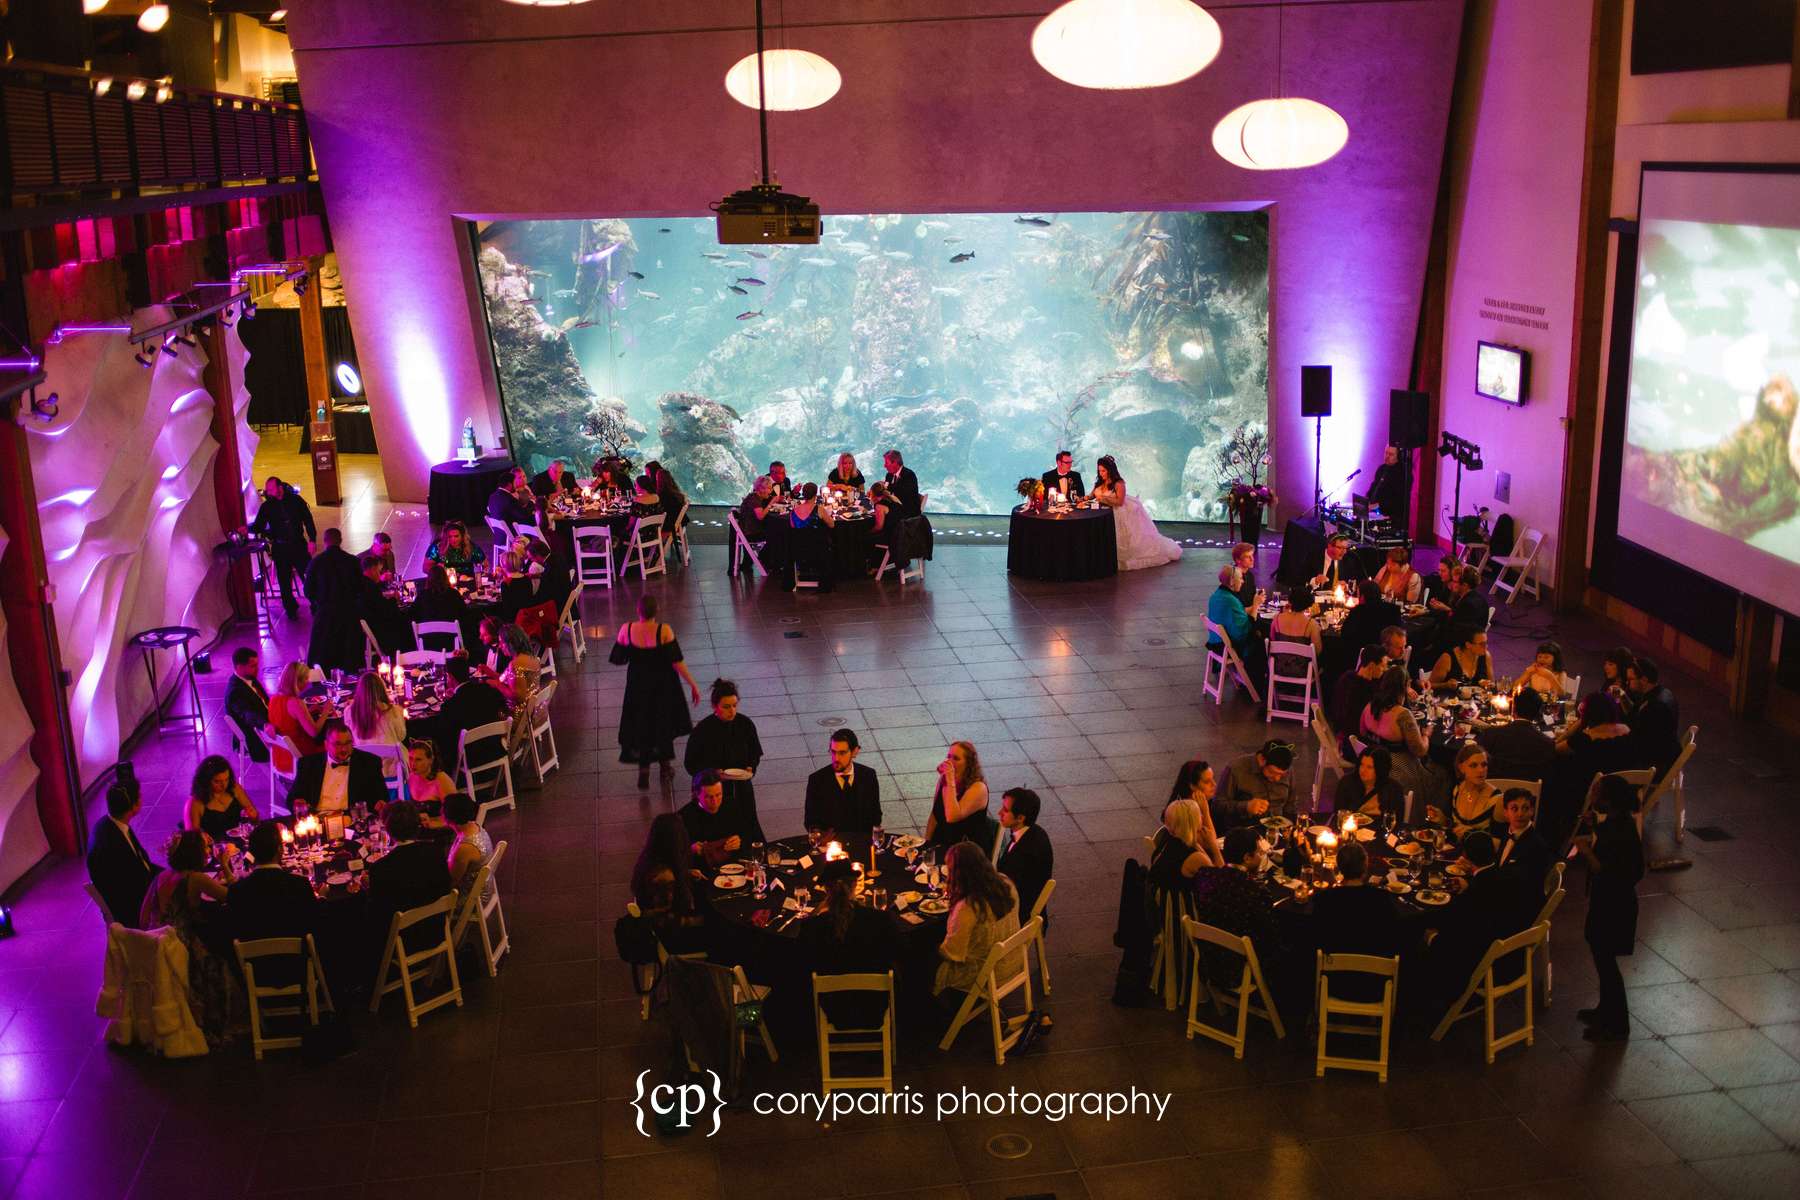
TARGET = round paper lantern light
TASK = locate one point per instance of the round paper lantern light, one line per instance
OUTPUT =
(797, 79)
(90, 7)
(1280, 135)
(1126, 43)
(152, 19)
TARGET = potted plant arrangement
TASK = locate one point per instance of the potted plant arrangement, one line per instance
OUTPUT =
(1244, 466)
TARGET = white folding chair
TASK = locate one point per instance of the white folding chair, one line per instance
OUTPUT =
(1674, 785)
(1296, 708)
(281, 779)
(1571, 685)
(106, 914)
(304, 994)
(992, 988)
(1553, 896)
(540, 732)
(1475, 554)
(745, 992)
(502, 538)
(645, 549)
(1523, 559)
(408, 968)
(500, 768)
(1036, 916)
(1328, 757)
(481, 905)
(527, 530)
(568, 622)
(1358, 1018)
(742, 546)
(873, 1039)
(437, 629)
(1244, 997)
(394, 769)
(1219, 662)
(593, 555)
(679, 534)
(372, 651)
(1490, 991)
(421, 658)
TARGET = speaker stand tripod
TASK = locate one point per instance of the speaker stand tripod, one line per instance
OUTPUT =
(1318, 454)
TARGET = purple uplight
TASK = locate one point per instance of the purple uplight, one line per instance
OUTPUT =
(63, 331)
(20, 364)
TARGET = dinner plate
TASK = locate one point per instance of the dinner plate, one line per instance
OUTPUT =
(1365, 834)
(1293, 884)
(732, 869)
(730, 883)
(922, 877)
(1399, 887)
(910, 897)
(1317, 830)
(934, 907)
(338, 878)
(1432, 897)
(1456, 869)
(1276, 823)
(734, 773)
(1409, 849)
(1429, 837)
(907, 841)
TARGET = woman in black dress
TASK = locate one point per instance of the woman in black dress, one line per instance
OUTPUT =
(1465, 663)
(959, 806)
(1615, 860)
(216, 803)
(726, 742)
(1369, 791)
(663, 885)
(845, 476)
(654, 715)
(1599, 745)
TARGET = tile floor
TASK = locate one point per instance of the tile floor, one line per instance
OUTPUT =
(1088, 693)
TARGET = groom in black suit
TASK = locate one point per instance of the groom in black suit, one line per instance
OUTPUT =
(845, 796)
(1064, 478)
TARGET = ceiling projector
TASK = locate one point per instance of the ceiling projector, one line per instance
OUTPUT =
(765, 213)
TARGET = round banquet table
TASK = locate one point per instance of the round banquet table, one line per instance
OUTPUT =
(355, 430)
(1078, 544)
(460, 491)
(758, 935)
(851, 540)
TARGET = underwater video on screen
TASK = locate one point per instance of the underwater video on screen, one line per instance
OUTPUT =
(977, 344)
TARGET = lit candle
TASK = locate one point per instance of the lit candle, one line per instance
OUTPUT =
(287, 836)
(1502, 703)
(1337, 594)
(1350, 825)
(834, 851)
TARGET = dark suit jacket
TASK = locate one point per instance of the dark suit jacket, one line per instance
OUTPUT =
(829, 806)
(271, 903)
(1492, 907)
(1029, 864)
(557, 582)
(1469, 613)
(541, 485)
(905, 486)
(411, 874)
(367, 785)
(1075, 487)
(382, 612)
(1529, 856)
(1348, 567)
(1358, 920)
(1656, 730)
(247, 704)
(331, 577)
(121, 868)
(870, 946)
(1518, 750)
(474, 704)
(504, 506)
(285, 520)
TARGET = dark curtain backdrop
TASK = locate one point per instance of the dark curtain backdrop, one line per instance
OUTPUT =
(276, 370)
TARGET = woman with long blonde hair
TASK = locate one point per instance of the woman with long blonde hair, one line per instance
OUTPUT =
(293, 716)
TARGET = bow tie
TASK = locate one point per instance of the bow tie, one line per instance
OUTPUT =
(336, 766)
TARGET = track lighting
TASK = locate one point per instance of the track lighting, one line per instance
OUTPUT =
(144, 358)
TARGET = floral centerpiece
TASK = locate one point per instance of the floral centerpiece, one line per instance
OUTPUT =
(1032, 490)
(1243, 464)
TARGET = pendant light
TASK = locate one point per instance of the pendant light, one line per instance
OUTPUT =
(797, 79)
(1114, 44)
(152, 19)
(1280, 134)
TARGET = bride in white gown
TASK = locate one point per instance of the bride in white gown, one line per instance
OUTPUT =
(1140, 545)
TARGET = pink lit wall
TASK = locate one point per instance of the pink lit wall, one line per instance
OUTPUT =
(129, 522)
(420, 118)
(1515, 218)
(21, 833)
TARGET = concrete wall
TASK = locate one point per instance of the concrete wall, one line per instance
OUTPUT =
(421, 115)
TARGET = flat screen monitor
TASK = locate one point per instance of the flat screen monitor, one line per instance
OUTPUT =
(1502, 372)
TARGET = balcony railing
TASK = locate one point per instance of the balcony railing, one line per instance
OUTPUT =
(59, 134)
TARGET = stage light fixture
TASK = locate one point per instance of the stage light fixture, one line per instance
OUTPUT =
(249, 309)
(1280, 134)
(797, 80)
(348, 379)
(163, 92)
(185, 340)
(145, 358)
(152, 19)
(168, 348)
(278, 16)
(135, 90)
(103, 85)
(1116, 44)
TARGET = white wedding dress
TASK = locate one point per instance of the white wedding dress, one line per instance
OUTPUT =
(1140, 545)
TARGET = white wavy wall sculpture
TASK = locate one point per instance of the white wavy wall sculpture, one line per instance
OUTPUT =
(247, 439)
(21, 834)
(124, 485)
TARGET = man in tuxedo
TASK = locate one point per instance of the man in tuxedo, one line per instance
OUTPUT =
(1357, 918)
(551, 480)
(413, 873)
(1491, 907)
(1520, 749)
(340, 777)
(286, 523)
(333, 582)
(718, 830)
(247, 702)
(509, 502)
(1350, 694)
(1063, 478)
(474, 702)
(554, 580)
(780, 486)
(1470, 609)
(270, 902)
(1524, 849)
(1025, 854)
(1654, 716)
(903, 484)
(846, 795)
(380, 610)
(1340, 565)
(116, 861)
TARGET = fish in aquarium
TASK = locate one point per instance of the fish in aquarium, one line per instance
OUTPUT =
(635, 274)
(745, 316)
(650, 295)
(1030, 221)
(753, 281)
(965, 256)
(740, 291)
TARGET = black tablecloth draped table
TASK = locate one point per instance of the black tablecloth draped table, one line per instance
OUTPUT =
(1081, 544)
(355, 430)
(460, 491)
(850, 541)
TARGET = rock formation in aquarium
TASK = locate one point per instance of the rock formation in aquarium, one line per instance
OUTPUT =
(701, 436)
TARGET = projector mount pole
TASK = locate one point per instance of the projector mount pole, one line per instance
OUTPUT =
(762, 95)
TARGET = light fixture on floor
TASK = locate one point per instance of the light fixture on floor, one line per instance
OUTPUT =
(152, 19)
(1116, 44)
(1282, 133)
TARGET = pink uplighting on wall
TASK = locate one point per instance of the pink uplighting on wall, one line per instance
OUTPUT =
(21, 833)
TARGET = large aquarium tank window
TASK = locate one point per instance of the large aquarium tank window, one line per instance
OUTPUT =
(978, 344)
